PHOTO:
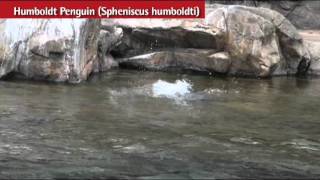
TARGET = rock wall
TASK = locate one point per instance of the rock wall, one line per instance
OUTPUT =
(314, 50)
(54, 50)
(304, 14)
(232, 40)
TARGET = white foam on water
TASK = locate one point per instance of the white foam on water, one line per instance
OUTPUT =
(171, 90)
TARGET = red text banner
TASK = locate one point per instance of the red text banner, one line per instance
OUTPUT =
(102, 9)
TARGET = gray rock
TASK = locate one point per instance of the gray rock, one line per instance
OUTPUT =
(179, 60)
(53, 50)
(108, 38)
(275, 43)
(314, 50)
(234, 40)
(304, 14)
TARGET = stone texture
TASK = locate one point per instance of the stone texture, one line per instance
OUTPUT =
(234, 40)
(314, 50)
(304, 14)
(180, 60)
(108, 38)
(53, 50)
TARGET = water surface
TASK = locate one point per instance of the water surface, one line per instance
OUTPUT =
(142, 125)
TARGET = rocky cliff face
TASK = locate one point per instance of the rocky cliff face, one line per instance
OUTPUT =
(233, 40)
(313, 47)
(53, 50)
(304, 14)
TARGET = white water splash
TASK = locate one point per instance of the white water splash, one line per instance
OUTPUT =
(171, 90)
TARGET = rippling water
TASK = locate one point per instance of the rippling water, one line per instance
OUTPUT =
(129, 124)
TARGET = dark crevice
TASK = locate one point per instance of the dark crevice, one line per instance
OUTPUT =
(56, 55)
(11, 76)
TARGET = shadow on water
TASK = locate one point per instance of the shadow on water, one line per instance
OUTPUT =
(128, 124)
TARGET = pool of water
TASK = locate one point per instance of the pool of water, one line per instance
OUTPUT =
(142, 125)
